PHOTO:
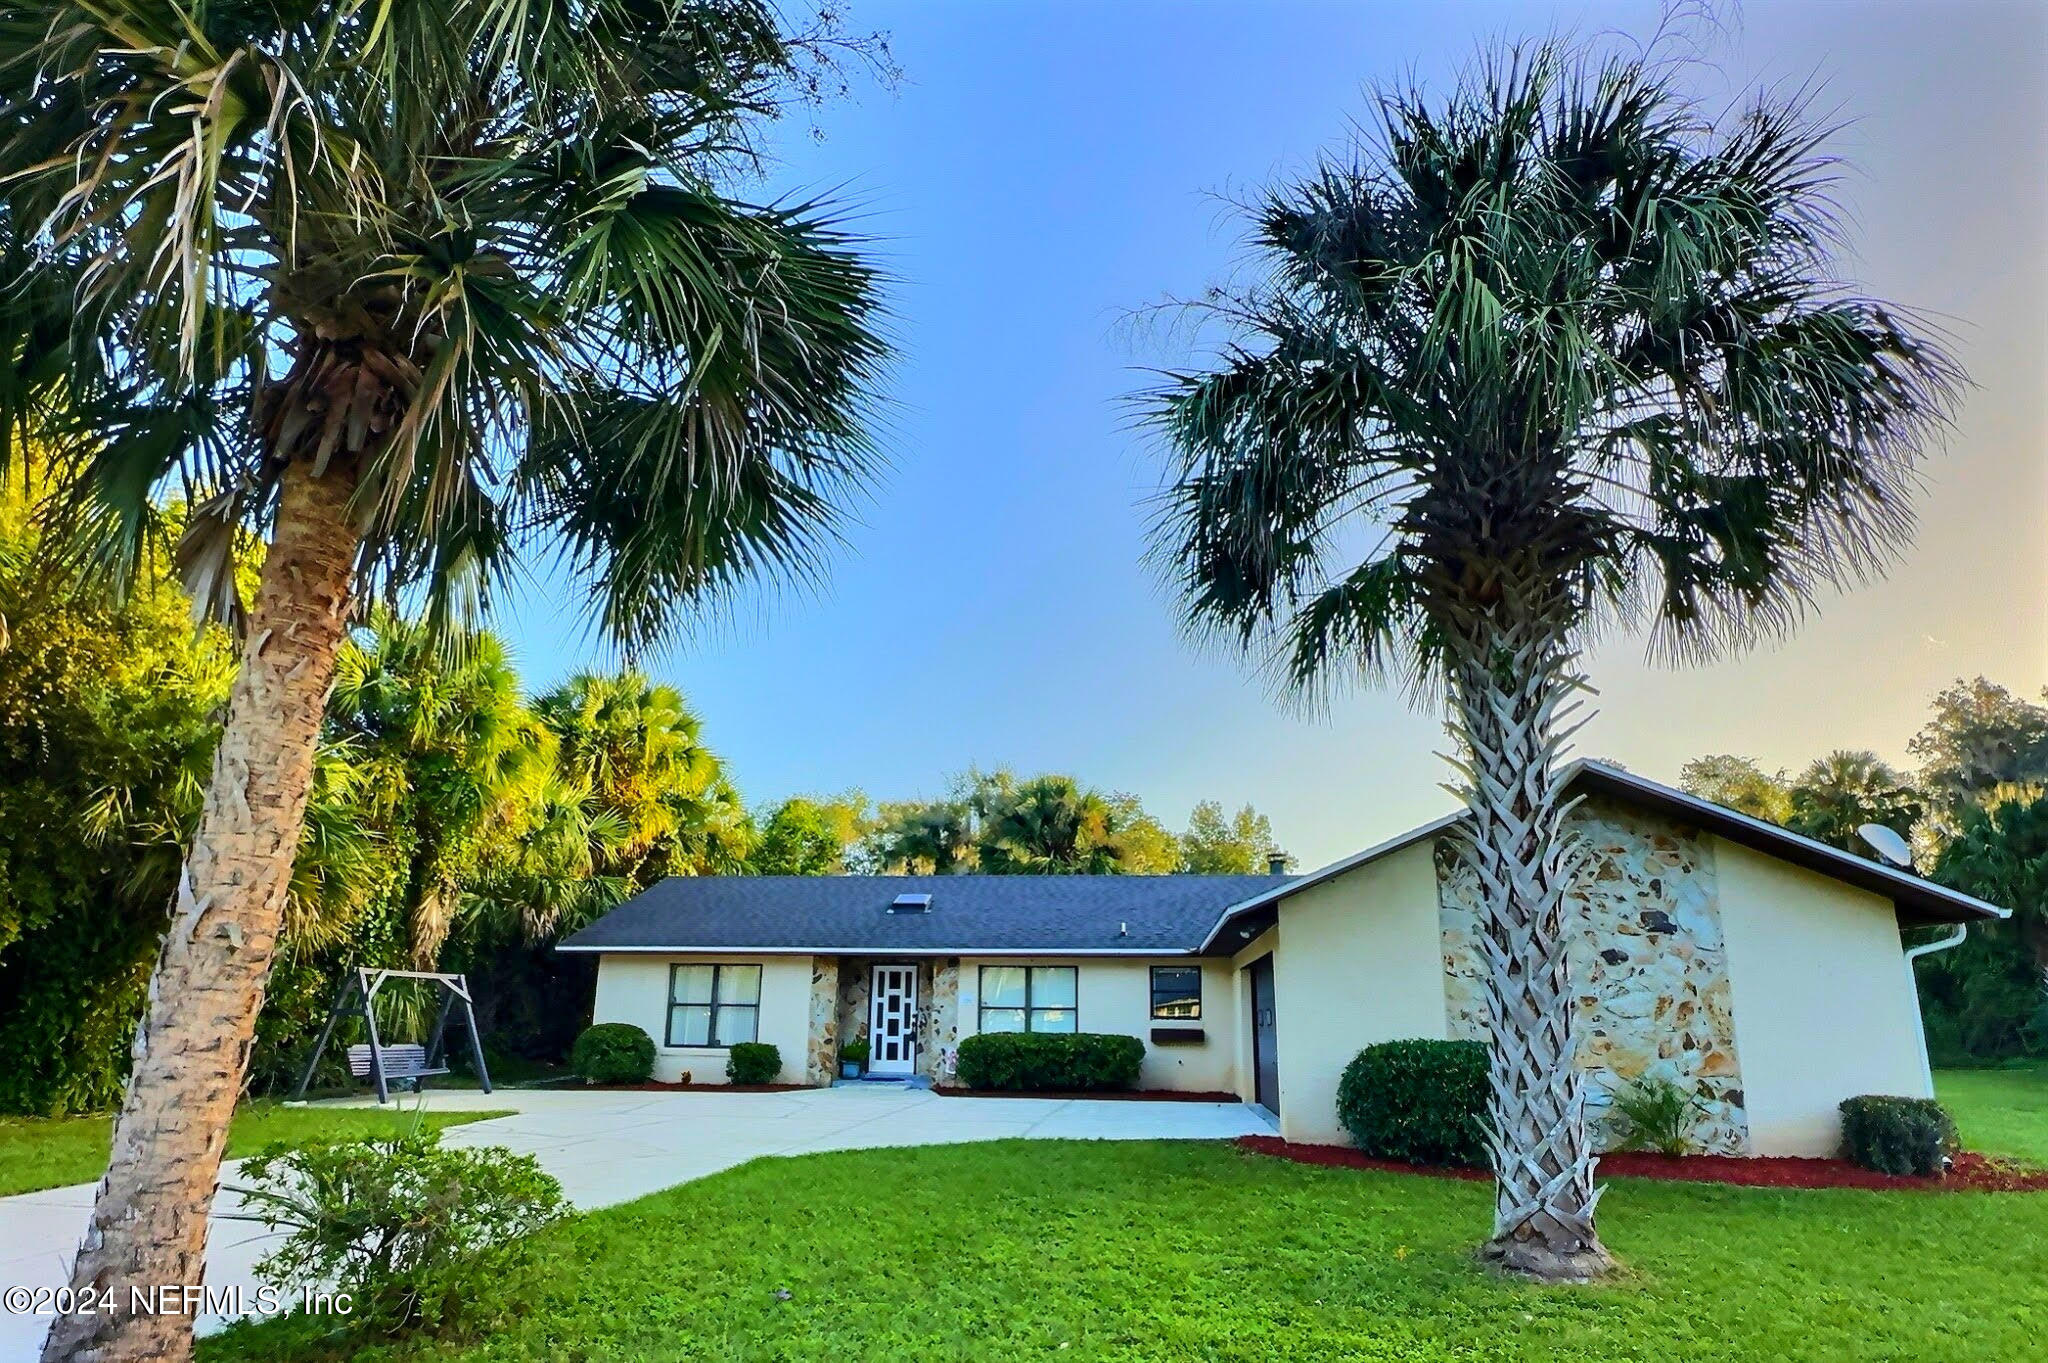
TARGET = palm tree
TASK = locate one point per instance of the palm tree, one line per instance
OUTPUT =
(919, 838)
(1552, 352)
(403, 291)
(452, 760)
(1048, 825)
(640, 751)
(1839, 793)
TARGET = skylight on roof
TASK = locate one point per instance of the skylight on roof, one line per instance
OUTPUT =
(911, 903)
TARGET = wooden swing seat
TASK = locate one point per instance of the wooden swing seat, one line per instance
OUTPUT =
(405, 1061)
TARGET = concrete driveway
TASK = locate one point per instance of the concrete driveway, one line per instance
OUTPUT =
(613, 1147)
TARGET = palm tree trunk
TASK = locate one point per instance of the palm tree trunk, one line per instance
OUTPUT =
(148, 1227)
(1512, 679)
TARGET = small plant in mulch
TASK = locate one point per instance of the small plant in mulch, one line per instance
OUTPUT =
(1656, 1115)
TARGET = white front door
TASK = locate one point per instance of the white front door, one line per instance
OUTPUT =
(892, 1020)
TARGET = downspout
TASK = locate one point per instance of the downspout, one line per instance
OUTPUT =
(1953, 938)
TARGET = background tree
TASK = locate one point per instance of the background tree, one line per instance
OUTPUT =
(1988, 998)
(105, 735)
(456, 759)
(1048, 825)
(1553, 352)
(1240, 845)
(403, 291)
(914, 837)
(1739, 784)
(1980, 737)
(640, 752)
(807, 836)
(1840, 792)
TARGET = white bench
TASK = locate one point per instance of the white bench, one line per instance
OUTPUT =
(405, 1061)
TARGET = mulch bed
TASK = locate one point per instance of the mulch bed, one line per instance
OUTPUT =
(1124, 1095)
(1972, 1173)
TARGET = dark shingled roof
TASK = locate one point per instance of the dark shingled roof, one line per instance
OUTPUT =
(968, 914)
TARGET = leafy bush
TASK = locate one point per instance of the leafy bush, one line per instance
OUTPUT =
(416, 1235)
(1905, 1136)
(753, 1062)
(1421, 1102)
(613, 1053)
(855, 1052)
(1055, 1061)
(1656, 1115)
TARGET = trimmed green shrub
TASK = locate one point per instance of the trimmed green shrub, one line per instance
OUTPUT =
(753, 1062)
(1903, 1136)
(1076, 1062)
(613, 1053)
(417, 1235)
(1421, 1102)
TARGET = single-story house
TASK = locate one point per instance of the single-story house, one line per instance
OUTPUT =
(1761, 969)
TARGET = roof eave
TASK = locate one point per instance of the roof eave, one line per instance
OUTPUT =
(1914, 896)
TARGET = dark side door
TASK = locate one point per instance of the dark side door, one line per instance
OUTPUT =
(1265, 1037)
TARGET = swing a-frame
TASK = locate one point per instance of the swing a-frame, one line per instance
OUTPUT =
(385, 1063)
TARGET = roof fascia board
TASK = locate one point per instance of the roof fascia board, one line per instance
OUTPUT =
(1330, 872)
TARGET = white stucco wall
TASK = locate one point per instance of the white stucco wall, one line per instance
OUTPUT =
(1360, 961)
(1823, 1006)
(634, 988)
(1114, 994)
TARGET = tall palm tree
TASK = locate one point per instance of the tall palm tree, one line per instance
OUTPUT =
(405, 291)
(640, 751)
(452, 757)
(1554, 351)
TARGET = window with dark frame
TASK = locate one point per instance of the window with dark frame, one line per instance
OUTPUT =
(1037, 998)
(1176, 993)
(714, 1006)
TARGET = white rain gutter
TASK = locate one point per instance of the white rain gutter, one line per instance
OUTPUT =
(1952, 938)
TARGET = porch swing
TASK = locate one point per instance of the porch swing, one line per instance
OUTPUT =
(386, 1063)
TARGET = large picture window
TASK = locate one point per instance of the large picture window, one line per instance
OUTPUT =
(1038, 998)
(713, 1005)
(1176, 993)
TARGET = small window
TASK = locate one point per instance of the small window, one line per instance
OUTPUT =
(1177, 992)
(1039, 998)
(713, 1005)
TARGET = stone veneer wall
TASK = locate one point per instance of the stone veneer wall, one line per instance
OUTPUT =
(1649, 968)
(938, 1018)
(822, 1064)
(856, 979)
(938, 1007)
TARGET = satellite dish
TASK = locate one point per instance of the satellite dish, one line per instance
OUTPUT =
(1888, 844)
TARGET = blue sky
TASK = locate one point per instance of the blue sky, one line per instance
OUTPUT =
(1047, 168)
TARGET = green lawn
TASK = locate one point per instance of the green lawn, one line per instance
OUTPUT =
(1184, 1251)
(40, 1152)
(2000, 1111)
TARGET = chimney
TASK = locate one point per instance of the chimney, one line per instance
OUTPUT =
(1276, 864)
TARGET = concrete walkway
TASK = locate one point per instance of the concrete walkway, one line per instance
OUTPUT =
(613, 1147)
